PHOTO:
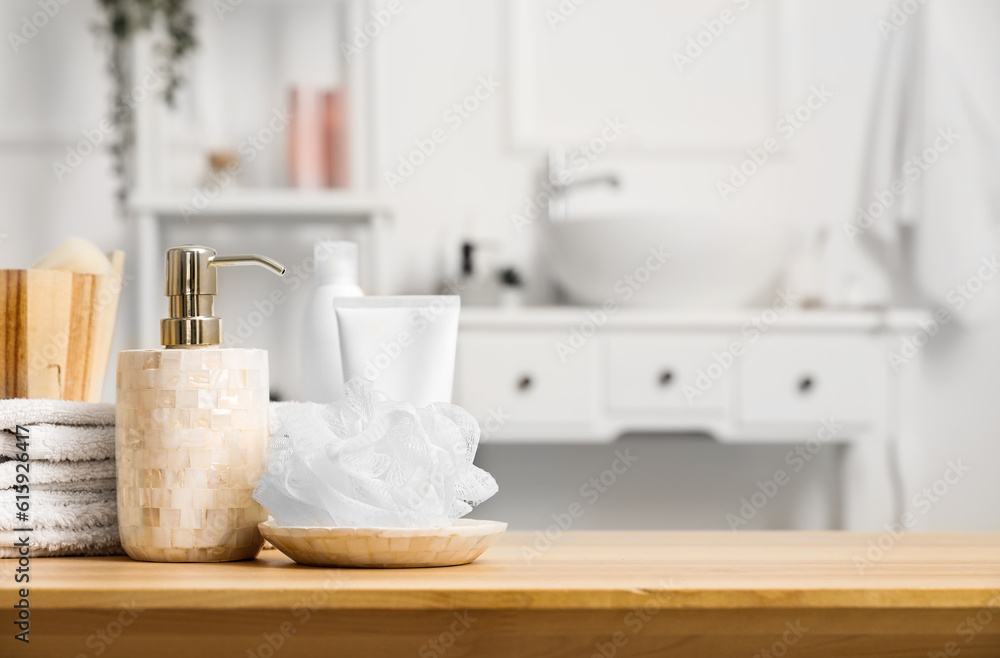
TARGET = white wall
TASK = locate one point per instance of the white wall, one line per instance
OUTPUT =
(430, 57)
(53, 90)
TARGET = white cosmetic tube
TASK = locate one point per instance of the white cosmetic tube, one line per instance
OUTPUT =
(405, 345)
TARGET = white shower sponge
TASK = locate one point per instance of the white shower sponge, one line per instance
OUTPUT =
(368, 461)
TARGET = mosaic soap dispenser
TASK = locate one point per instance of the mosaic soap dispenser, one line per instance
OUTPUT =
(192, 427)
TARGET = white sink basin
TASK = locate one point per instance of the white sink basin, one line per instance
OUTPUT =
(715, 261)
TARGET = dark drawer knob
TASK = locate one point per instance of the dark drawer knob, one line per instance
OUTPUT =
(525, 383)
(665, 378)
(806, 384)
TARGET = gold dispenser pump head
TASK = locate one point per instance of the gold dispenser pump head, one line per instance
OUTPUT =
(191, 289)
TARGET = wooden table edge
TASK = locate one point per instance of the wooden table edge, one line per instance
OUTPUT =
(318, 598)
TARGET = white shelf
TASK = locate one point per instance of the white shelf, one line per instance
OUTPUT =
(276, 207)
(267, 204)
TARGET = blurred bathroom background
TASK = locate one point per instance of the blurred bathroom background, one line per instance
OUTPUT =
(530, 155)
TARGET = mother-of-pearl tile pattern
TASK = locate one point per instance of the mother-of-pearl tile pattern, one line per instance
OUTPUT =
(192, 428)
(460, 543)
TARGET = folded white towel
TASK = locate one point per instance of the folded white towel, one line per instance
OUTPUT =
(73, 509)
(63, 442)
(8, 499)
(67, 517)
(54, 542)
(104, 485)
(62, 522)
(42, 471)
(23, 411)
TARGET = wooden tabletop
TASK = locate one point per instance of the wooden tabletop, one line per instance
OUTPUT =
(576, 571)
(581, 594)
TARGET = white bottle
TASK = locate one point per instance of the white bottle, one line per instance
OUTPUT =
(336, 276)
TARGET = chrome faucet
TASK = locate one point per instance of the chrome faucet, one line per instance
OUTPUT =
(560, 179)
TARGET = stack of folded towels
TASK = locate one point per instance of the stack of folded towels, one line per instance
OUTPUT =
(71, 478)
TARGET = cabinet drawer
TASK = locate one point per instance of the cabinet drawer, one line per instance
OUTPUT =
(802, 379)
(649, 373)
(522, 375)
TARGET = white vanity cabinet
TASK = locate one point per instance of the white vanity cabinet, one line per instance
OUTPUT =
(791, 378)
(646, 372)
(520, 373)
(547, 375)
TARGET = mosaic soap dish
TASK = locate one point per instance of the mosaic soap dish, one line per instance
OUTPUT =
(385, 548)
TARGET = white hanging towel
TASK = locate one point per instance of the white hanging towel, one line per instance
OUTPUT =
(935, 129)
(956, 227)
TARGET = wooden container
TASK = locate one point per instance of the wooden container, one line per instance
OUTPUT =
(56, 333)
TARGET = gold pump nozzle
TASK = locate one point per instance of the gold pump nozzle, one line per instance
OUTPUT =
(191, 287)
